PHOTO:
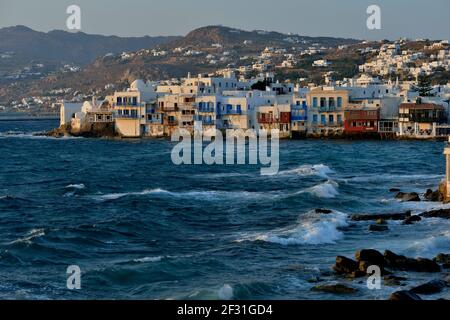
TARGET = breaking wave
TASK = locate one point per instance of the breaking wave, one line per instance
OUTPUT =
(328, 189)
(431, 246)
(209, 195)
(320, 170)
(79, 186)
(311, 229)
(148, 259)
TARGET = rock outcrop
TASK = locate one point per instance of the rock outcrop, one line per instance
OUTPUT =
(335, 288)
(407, 197)
(400, 262)
(383, 216)
(404, 295)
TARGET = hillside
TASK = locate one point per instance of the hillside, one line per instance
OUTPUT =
(204, 50)
(25, 52)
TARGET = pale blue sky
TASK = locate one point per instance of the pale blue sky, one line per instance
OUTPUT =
(343, 18)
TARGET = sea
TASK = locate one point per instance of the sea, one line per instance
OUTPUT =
(139, 227)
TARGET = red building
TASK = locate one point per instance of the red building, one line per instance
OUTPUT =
(361, 120)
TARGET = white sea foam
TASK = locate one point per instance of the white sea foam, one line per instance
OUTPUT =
(320, 170)
(328, 189)
(149, 259)
(225, 292)
(311, 229)
(79, 186)
(32, 234)
(431, 246)
(209, 195)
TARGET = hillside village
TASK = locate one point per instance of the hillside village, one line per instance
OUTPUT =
(229, 78)
(362, 107)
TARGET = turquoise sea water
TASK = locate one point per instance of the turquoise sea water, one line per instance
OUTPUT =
(140, 227)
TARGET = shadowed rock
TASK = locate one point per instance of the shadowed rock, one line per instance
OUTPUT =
(412, 219)
(404, 295)
(407, 196)
(400, 262)
(441, 213)
(345, 265)
(434, 286)
(385, 216)
(335, 288)
(324, 211)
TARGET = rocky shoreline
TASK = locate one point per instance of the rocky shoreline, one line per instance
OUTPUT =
(356, 269)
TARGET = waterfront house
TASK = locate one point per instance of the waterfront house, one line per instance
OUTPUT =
(421, 120)
(326, 111)
(361, 120)
(299, 117)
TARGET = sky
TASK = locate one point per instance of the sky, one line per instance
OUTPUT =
(337, 18)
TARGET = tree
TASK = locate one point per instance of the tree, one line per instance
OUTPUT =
(424, 86)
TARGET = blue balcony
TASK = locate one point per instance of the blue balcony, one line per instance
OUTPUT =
(126, 116)
(299, 118)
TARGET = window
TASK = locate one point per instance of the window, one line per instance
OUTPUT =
(339, 119)
(331, 118)
(315, 118)
(323, 119)
(119, 101)
(339, 102)
(331, 102)
(134, 101)
(323, 102)
(315, 102)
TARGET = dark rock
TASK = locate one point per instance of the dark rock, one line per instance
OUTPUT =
(378, 228)
(335, 288)
(441, 213)
(371, 256)
(412, 219)
(385, 216)
(442, 258)
(407, 196)
(345, 265)
(434, 286)
(395, 261)
(392, 280)
(435, 196)
(404, 295)
(324, 211)
(394, 190)
(381, 221)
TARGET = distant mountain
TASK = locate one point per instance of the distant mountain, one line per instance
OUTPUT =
(173, 56)
(230, 37)
(68, 47)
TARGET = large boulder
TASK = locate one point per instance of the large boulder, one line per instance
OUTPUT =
(412, 219)
(440, 213)
(384, 216)
(400, 262)
(345, 265)
(407, 196)
(431, 287)
(404, 295)
(373, 257)
(335, 288)
(435, 196)
(443, 259)
(323, 211)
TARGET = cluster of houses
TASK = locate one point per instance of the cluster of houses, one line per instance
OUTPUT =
(364, 107)
(391, 59)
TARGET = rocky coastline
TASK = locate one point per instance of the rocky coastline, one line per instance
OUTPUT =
(356, 269)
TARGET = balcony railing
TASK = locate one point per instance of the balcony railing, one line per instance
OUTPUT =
(233, 112)
(126, 116)
(299, 118)
(206, 110)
